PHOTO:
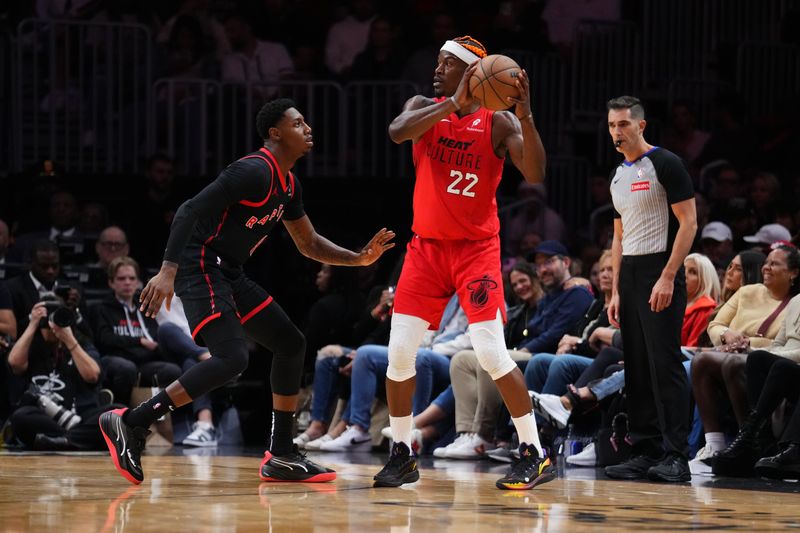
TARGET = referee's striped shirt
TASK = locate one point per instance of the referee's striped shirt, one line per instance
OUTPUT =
(642, 192)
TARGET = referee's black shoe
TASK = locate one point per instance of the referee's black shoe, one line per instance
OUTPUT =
(636, 467)
(125, 444)
(401, 468)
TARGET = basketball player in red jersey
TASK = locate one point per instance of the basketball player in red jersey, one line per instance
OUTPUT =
(459, 149)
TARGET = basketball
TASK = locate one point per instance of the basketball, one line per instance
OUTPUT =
(494, 81)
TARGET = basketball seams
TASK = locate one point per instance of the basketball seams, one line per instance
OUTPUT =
(500, 87)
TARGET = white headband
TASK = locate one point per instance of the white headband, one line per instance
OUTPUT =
(460, 52)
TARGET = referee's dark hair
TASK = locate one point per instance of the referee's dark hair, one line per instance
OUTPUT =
(627, 102)
(270, 114)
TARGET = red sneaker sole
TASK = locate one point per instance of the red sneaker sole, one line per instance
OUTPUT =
(113, 451)
(319, 478)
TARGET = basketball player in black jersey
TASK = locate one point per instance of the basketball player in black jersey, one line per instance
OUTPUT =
(212, 235)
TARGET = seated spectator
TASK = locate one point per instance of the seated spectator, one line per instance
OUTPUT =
(750, 319)
(765, 191)
(682, 137)
(252, 60)
(111, 244)
(535, 216)
(716, 243)
(331, 319)
(549, 373)
(744, 269)
(29, 288)
(420, 65)
(186, 54)
(768, 235)
(477, 399)
(560, 308)
(62, 407)
(8, 323)
(126, 338)
(8, 332)
(348, 37)
(63, 229)
(702, 295)
(211, 32)
(382, 59)
(772, 376)
(175, 338)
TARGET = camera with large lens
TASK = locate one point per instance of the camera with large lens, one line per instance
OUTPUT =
(57, 312)
(64, 417)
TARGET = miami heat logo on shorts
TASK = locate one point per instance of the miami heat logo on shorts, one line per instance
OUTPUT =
(479, 290)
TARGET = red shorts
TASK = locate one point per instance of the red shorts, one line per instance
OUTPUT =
(435, 269)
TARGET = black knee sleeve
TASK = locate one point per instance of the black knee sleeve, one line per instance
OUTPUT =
(229, 358)
(273, 330)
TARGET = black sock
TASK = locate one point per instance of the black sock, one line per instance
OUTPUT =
(149, 411)
(281, 436)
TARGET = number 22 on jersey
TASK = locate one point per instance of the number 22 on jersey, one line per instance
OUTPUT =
(456, 187)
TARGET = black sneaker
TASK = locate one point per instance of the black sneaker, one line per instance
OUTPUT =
(295, 467)
(634, 468)
(401, 468)
(785, 465)
(125, 444)
(528, 471)
(673, 469)
(739, 458)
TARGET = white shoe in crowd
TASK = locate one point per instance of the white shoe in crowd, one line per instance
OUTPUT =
(203, 435)
(586, 457)
(352, 440)
(316, 443)
(549, 406)
(701, 464)
(301, 440)
(416, 438)
(460, 440)
(503, 454)
(474, 448)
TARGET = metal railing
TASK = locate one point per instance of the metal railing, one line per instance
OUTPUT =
(768, 75)
(605, 64)
(81, 94)
(547, 75)
(370, 108)
(701, 94)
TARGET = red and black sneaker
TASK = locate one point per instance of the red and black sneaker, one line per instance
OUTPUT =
(125, 443)
(294, 467)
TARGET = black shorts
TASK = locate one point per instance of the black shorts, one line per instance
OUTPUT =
(209, 288)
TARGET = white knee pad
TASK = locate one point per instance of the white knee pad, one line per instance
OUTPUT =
(404, 339)
(490, 347)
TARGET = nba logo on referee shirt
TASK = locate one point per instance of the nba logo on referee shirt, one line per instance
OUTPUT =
(640, 185)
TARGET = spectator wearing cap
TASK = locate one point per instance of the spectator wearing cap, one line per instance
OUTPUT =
(768, 235)
(561, 307)
(716, 243)
(534, 217)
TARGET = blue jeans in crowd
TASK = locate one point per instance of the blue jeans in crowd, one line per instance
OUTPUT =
(371, 363)
(550, 374)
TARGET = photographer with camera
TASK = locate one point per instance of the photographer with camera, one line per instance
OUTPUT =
(60, 408)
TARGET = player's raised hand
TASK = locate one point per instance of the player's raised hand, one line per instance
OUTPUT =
(160, 286)
(522, 104)
(463, 96)
(376, 246)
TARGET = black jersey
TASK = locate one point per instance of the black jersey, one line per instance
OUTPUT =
(233, 215)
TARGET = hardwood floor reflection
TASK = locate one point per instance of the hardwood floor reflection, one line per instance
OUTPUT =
(215, 493)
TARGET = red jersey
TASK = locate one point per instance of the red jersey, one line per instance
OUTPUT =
(457, 178)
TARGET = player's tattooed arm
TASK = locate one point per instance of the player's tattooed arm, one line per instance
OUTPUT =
(314, 246)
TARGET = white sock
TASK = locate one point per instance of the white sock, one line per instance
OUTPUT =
(527, 431)
(716, 440)
(401, 429)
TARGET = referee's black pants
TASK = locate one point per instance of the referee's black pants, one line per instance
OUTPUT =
(656, 385)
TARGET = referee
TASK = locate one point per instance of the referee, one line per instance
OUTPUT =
(654, 227)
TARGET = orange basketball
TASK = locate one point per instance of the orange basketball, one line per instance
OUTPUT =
(494, 81)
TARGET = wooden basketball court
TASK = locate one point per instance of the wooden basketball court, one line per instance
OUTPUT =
(223, 493)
